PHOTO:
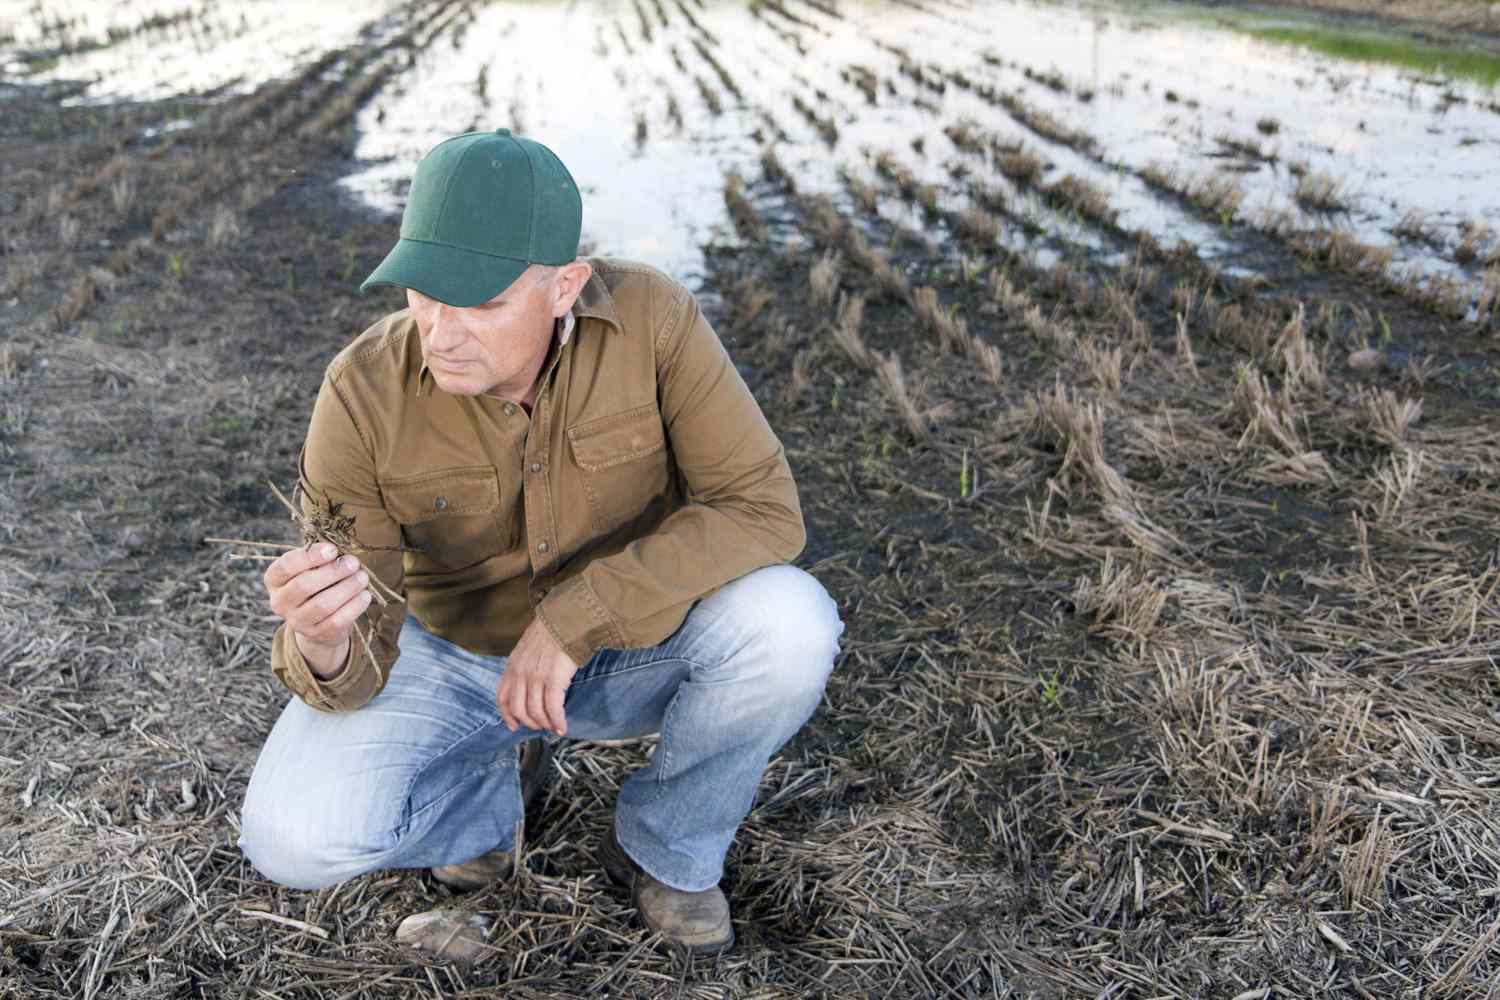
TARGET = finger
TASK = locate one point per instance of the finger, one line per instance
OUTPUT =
(556, 720)
(311, 582)
(312, 613)
(339, 624)
(296, 561)
(536, 705)
(503, 696)
(520, 693)
(514, 695)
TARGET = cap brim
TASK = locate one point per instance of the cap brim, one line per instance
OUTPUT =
(457, 277)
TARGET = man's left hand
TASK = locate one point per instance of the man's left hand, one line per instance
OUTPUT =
(537, 675)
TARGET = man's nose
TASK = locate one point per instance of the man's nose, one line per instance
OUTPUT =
(444, 331)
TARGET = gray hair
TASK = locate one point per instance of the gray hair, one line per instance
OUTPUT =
(543, 273)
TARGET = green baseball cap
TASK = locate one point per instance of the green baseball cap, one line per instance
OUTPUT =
(483, 207)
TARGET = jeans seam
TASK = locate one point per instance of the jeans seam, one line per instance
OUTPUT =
(407, 817)
(666, 751)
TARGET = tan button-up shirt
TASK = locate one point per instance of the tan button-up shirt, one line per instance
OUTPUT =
(645, 478)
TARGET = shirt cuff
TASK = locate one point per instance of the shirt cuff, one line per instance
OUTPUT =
(348, 689)
(579, 621)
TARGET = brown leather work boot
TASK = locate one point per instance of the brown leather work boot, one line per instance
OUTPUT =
(536, 767)
(699, 921)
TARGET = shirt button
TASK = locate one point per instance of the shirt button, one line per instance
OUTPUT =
(543, 547)
(510, 408)
(440, 503)
(541, 593)
(536, 466)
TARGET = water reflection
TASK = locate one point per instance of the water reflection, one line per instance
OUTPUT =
(143, 50)
(627, 96)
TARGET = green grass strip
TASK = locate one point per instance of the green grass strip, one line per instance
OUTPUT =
(1478, 66)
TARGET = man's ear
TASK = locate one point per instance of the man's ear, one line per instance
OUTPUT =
(570, 281)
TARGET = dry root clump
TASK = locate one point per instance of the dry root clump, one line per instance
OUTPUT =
(320, 519)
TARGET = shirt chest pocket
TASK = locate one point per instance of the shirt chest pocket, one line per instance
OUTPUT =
(622, 462)
(455, 517)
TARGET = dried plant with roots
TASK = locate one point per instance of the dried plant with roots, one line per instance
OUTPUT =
(320, 519)
(122, 195)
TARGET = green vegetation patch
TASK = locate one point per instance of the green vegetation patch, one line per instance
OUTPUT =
(1479, 66)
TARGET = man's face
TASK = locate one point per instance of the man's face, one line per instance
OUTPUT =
(495, 346)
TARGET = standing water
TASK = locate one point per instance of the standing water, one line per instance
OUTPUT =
(650, 102)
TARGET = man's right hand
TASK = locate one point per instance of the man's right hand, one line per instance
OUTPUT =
(319, 595)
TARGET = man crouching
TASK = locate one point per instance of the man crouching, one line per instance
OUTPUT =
(556, 463)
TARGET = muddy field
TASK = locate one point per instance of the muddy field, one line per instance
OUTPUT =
(1144, 424)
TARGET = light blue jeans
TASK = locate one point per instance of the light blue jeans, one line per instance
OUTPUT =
(426, 772)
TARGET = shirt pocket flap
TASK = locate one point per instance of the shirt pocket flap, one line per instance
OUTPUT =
(621, 437)
(414, 499)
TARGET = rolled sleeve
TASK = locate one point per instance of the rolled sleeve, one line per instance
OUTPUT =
(344, 692)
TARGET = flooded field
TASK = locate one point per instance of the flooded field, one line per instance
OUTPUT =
(1192, 126)
(1137, 366)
